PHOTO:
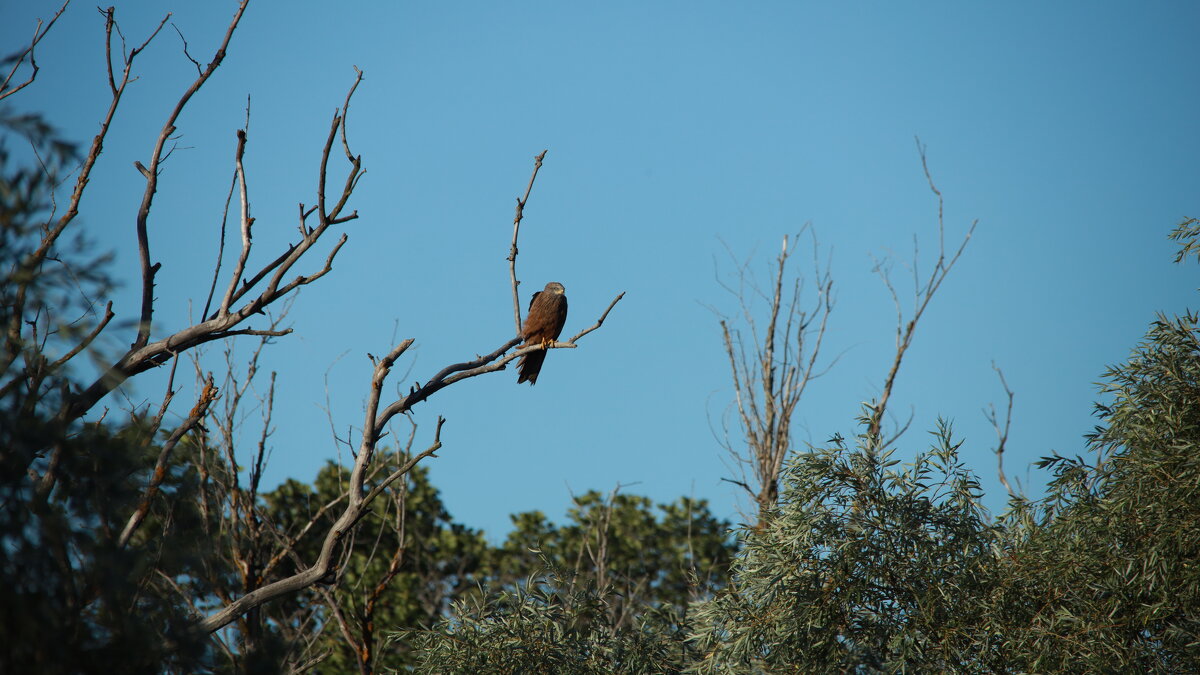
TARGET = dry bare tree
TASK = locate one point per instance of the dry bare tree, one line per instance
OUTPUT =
(238, 295)
(772, 363)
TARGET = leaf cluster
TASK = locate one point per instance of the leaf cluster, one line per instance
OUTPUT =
(551, 623)
(862, 565)
(647, 557)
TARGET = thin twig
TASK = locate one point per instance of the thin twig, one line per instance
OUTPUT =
(39, 32)
(207, 396)
(512, 253)
(925, 293)
(1001, 433)
(247, 223)
(599, 322)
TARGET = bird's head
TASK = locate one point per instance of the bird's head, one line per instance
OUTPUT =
(555, 287)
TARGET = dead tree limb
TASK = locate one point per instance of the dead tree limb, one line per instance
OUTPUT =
(922, 294)
(223, 322)
(199, 411)
(28, 267)
(373, 430)
(1001, 431)
(512, 253)
(7, 88)
(355, 507)
(773, 368)
(151, 174)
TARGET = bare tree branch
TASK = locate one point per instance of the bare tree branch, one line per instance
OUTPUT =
(373, 430)
(512, 253)
(408, 465)
(220, 324)
(152, 173)
(1001, 433)
(199, 69)
(207, 396)
(922, 295)
(342, 527)
(42, 370)
(231, 510)
(212, 288)
(246, 222)
(6, 87)
(599, 322)
(27, 268)
(771, 374)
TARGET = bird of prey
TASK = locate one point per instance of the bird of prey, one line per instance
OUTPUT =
(547, 314)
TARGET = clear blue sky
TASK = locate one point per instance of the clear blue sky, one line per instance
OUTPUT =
(1068, 129)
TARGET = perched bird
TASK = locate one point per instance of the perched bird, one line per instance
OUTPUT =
(547, 314)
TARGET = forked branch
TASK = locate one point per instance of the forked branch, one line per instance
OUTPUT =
(207, 396)
(358, 498)
(1002, 431)
(238, 305)
(52, 230)
(922, 294)
(7, 88)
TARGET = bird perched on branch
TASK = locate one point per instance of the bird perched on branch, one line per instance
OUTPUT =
(547, 314)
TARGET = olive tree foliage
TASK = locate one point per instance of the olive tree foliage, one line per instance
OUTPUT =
(862, 565)
(147, 543)
(870, 565)
(1105, 566)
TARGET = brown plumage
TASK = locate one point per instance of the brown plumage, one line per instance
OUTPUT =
(547, 314)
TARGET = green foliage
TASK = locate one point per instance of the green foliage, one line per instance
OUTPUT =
(606, 592)
(549, 624)
(646, 560)
(70, 596)
(863, 565)
(1187, 234)
(866, 567)
(1108, 580)
(56, 291)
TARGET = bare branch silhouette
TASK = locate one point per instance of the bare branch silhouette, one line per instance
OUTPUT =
(922, 294)
(144, 355)
(7, 88)
(1001, 432)
(772, 370)
(512, 252)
